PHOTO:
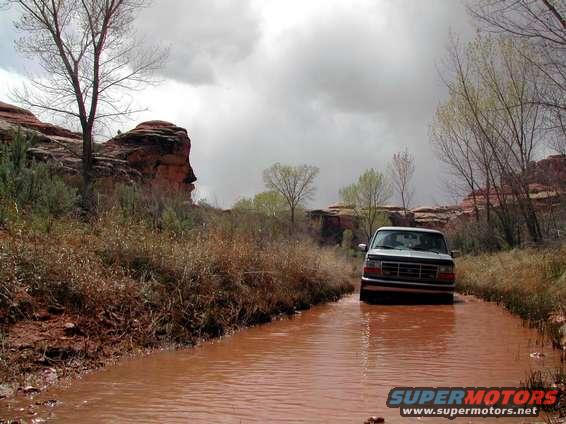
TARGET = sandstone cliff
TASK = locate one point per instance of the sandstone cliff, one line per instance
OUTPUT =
(547, 185)
(155, 152)
(159, 151)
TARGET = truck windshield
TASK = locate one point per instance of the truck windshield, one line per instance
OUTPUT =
(409, 240)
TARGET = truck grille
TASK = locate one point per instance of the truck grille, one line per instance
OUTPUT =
(409, 271)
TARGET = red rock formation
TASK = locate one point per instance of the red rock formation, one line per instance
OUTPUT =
(550, 171)
(159, 150)
(155, 151)
(435, 216)
(547, 183)
(338, 217)
(18, 116)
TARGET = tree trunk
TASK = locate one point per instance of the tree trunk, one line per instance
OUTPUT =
(488, 202)
(522, 196)
(292, 219)
(476, 209)
(87, 196)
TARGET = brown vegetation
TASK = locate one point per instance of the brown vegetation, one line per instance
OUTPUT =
(149, 270)
(530, 283)
(86, 291)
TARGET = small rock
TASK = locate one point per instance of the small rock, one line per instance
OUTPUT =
(374, 420)
(30, 390)
(72, 329)
(42, 315)
(55, 309)
(50, 403)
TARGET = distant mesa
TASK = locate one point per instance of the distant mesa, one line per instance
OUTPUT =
(156, 153)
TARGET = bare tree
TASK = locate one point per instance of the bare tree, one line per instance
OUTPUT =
(538, 20)
(90, 56)
(294, 183)
(542, 25)
(366, 196)
(489, 132)
(461, 145)
(402, 170)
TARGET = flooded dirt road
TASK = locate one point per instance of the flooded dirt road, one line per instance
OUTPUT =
(334, 363)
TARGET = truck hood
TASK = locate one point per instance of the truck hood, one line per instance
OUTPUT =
(409, 254)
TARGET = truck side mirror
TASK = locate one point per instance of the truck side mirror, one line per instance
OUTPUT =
(454, 253)
(363, 247)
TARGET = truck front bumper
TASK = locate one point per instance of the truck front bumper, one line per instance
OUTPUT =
(379, 285)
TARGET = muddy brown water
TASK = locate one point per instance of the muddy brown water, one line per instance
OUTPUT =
(334, 363)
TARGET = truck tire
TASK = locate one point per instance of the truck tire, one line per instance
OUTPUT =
(447, 299)
(365, 296)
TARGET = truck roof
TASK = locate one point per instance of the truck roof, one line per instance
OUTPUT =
(423, 230)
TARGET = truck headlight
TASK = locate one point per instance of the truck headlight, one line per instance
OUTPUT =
(372, 267)
(446, 273)
(446, 269)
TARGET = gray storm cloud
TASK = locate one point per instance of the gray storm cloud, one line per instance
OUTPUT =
(341, 85)
(201, 34)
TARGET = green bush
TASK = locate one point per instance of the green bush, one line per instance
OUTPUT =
(158, 210)
(347, 239)
(129, 200)
(475, 239)
(27, 185)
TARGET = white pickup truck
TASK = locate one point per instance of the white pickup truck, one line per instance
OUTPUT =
(408, 260)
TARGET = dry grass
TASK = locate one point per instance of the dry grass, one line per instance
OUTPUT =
(530, 283)
(133, 286)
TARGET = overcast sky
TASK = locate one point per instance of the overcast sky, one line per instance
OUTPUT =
(340, 84)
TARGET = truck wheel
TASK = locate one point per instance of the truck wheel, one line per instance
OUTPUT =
(365, 296)
(447, 299)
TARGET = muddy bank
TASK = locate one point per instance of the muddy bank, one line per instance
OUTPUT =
(51, 349)
(337, 360)
(80, 295)
(530, 283)
(54, 350)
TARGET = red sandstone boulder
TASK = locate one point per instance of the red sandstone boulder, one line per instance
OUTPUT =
(159, 150)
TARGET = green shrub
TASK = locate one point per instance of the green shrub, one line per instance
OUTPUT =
(475, 239)
(169, 211)
(27, 185)
(177, 221)
(129, 199)
(55, 198)
(347, 239)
